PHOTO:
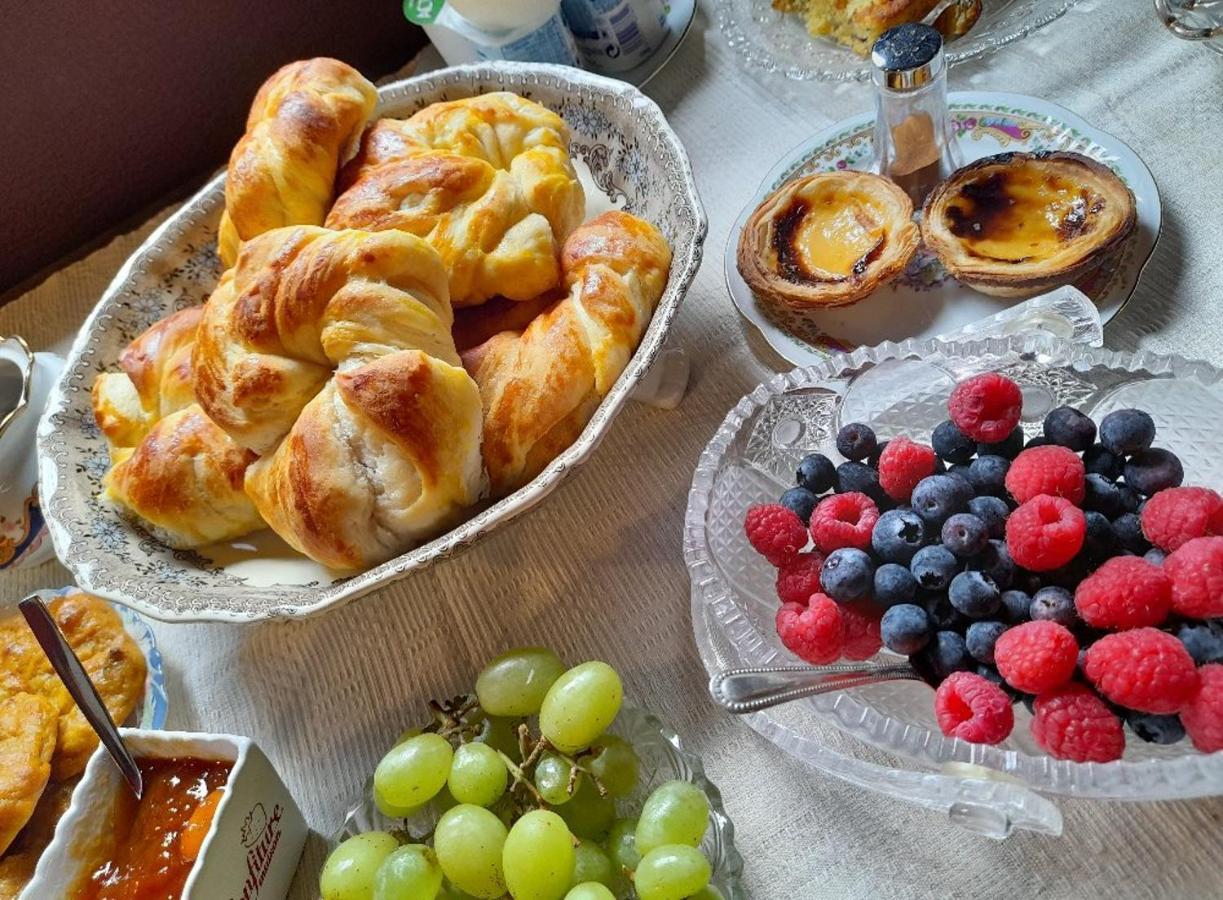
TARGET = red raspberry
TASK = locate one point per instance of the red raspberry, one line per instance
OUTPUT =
(902, 464)
(798, 579)
(1144, 669)
(1048, 469)
(1045, 533)
(775, 532)
(973, 709)
(844, 520)
(986, 407)
(1036, 656)
(1203, 715)
(1073, 723)
(862, 639)
(1196, 571)
(1125, 592)
(814, 632)
(1176, 515)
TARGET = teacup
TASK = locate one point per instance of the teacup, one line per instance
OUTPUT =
(26, 379)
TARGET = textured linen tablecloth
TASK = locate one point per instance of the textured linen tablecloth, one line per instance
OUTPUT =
(597, 570)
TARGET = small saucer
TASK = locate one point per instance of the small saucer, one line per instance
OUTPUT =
(680, 14)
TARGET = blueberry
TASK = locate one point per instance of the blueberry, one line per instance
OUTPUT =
(990, 674)
(940, 467)
(1068, 427)
(994, 561)
(938, 496)
(1016, 606)
(1127, 529)
(1131, 500)
(952, 444)
(856, 441)
(934, 567)
(1099, 459)
(980, 639)
(1007, 448)
(847, 575)
(974, 594)
(993, 512)
(1069, 575)
(1155, 729)
(1054, 604)
(894, 584)
(1102, 495)
(801, 501)
(905, 629)
(1127, 431)
(945, 654)
(873, 459)
(944, 616)
(1039, 441)
(1150, 471)
(988, 474)
(898, 534)
(1029, 702)
(965, 535)
(856, 476)
(1155, 556)
(1100, 542)
(816, 473)
(1203, 640)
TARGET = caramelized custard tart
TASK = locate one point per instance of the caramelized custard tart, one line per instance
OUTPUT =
(827, 240)
(1017, 224)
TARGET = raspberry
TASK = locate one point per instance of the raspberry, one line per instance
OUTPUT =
(1144, 669)
(1203, 715)
(844, 520)
(1036, 656)
(973, 709)
(1196, 572)
(1045, 533)
(1125, 592)
(775, 532)
(902, 464)
(1073, 723)
(798, 579)
(814, 632)
(862, 639)
(986, 407)
(1179, 514)
(1049, 470)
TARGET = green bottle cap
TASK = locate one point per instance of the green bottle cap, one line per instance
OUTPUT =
(422, 12)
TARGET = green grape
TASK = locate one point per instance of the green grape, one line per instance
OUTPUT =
(590, 863)
(676, 813)
(588, 815)
(591, 890)
(622, 845)
(615, 765)
(411, 773)
(442, 802)
(501, 734)
(468, 841)
(409, 873)
(450, 892)
(514, 683)
(580, 705)
(390, 810)
(552, 779)
(351, 868)
(406, 734)
(538, 857)
(671, 872)
(708, 892)
(477, 775)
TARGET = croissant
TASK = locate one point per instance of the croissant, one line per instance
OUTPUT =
(306, 120)
(541, 385)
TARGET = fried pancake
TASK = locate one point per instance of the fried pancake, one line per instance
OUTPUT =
(19, 861)
(27, 740)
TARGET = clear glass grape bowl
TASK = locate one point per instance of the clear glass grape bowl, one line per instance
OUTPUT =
(662, 757)
(884, 737)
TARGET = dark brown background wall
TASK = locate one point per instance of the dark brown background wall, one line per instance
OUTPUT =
(109, 106)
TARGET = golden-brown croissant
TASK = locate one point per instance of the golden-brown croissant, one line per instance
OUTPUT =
(540, 386)
(305, 122)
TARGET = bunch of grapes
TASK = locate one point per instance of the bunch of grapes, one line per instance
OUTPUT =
(526, 795)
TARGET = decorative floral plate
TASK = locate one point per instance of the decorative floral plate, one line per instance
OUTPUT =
(630, 158)
(925, 301)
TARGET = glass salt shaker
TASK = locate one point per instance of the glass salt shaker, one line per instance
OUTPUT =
(913, 139)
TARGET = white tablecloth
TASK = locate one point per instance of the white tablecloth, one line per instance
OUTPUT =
(597, 570)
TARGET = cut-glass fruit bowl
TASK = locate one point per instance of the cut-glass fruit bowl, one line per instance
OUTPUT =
(884, 736)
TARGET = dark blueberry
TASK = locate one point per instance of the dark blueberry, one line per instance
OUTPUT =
(940, 467)
(847, 575)
(898, 534)
(856, 476)
(1054, 604)
(816, 473)
(1016, 606)
(980, 639)
(1203, 640)
(938, 496)
(1131, 500)
(1127, 431)
(1155, 729)
(1007, 448)
(1155, 556)
(873, 459)
(959, 471)
(1029, 702)
(1080, 664)
(947, 653)
(1127, 529)
(1069, 575)
(1039, 441)
(993, 512)
(1150, 471)
(1068, 427)
(994, 561)
(905, 629)
(1100, 542)
(990, 674)
(952, 444)
(1099, 459)
(934, 567)
(856, 441)
(988, 474)
(965, 535)
(1102, 495)
(943, 615)
(801, 501)
(894, 584)
(974, 594)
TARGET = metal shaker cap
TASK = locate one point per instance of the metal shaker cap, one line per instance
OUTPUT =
(907, 57)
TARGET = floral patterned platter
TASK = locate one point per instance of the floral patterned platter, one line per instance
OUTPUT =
(629, 157)
(926, 302)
